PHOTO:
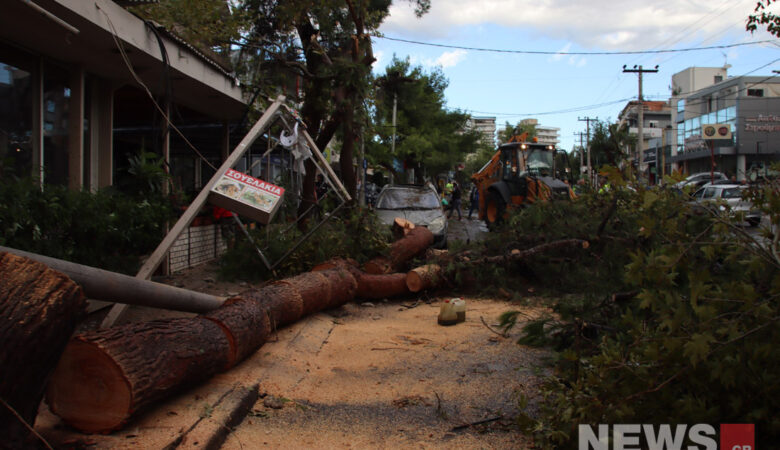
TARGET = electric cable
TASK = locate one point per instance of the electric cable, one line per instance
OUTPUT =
(138, 80)
(544, 52)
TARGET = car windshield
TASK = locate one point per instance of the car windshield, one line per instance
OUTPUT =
(401, 198)
(731, 193)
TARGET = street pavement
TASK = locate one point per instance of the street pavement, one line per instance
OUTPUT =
(466, 230)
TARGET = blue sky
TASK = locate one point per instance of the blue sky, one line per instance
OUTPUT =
(513, 86)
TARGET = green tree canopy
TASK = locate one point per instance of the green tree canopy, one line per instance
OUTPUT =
(323, 47)
(515, 130)
(428, 137)
(608, 144)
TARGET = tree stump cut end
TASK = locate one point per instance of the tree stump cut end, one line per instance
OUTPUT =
(88, 390)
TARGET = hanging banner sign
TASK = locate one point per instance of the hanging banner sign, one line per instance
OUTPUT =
(246, 195)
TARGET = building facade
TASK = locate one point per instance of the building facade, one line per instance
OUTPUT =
(84, 86)
(544, 134)
(746, 113)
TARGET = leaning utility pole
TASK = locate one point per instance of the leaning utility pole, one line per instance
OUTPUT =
(588, 120)
(641, 139)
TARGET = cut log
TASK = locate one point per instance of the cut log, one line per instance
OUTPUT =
(281, 301)
(424, 277)
(342, 286)
(104, 377)
(245, 324)
(314, 289)
(381, 286)
(39, 309)
(401, 227)
(334, 264)
(401, 251)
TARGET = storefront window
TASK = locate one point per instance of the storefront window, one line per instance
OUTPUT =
(15, 120)
(56, 99)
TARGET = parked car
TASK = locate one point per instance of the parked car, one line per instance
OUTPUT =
(420, 205)
(732, 197)
(697, 180)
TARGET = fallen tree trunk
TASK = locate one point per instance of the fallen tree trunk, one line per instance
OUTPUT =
(106, 376)
(246, 326)
(381, 286)
(39, 309)
(402, 250)
(424, 277)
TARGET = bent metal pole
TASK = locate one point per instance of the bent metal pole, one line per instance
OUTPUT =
(99, 284)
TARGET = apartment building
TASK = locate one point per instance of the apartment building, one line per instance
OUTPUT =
(486, 126)
(544, 134)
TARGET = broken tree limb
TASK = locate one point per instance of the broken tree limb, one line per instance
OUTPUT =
(104, 377)
(99, 284)
(424, 277)
(39, 309)
(401, 252)
(381, 286)
(516, 254)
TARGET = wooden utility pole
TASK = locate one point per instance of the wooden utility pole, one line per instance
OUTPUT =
(582, 149)
(588, 120)
(641, 140)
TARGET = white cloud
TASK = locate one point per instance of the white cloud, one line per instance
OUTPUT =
(450, 59)
(606, 24)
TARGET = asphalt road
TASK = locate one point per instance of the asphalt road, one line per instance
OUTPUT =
(466, 230)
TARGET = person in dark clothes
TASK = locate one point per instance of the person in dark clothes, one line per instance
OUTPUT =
(473, 200)
(455, 200)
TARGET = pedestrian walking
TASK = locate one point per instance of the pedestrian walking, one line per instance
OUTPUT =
(455, 200)
(473, 200)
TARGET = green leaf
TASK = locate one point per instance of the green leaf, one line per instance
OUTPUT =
(697, 348)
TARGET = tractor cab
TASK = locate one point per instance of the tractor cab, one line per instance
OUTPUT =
(519, 160)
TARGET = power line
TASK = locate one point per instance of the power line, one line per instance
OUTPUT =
(560, 111)
(541, 52)
(613, 102)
